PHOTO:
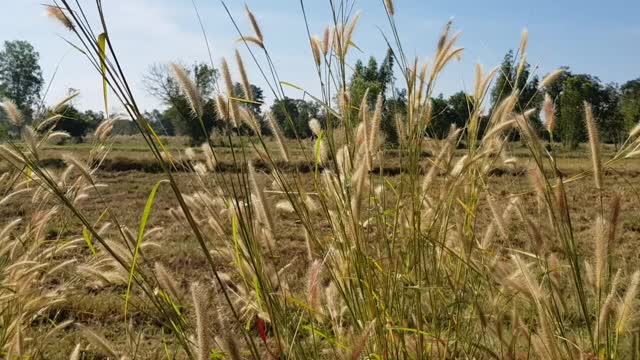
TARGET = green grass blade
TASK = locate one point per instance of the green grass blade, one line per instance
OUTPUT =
(102, 41)
(87, 238)
(143, 225)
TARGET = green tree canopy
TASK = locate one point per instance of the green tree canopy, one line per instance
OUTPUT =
(73, 122)
(630, 103)
(20, 74)
(377, 79)
(161, 84)
(576, 90)
(452, 111)
(293, 116)
(527, 85)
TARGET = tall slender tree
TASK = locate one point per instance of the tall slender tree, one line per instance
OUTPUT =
(20, 74)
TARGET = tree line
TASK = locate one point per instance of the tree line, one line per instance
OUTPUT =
(616, 107)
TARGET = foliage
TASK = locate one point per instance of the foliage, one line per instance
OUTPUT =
(455, 110)
(74, 122)
(581, 88)
(515, 74)
(293, 115)
(630, 103)
(20, 74)
(377, 80)
(161, 84)
(161, 122)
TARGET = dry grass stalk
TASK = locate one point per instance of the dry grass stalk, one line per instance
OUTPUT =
(389, 5)
(13, 113)
(188, 88)
(594, 144)
(56, 13)
(246, 86)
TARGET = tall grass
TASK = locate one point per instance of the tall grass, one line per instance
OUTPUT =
(398, 267)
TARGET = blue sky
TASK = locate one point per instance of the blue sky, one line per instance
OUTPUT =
(596, 37)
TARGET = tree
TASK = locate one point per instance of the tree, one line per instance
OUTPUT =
(293, 116)
(527, 85)
(455, 110)
(72, 122)
(160, 122)
(20, 75)
(255, 106)
(377, 80)
(611, 120)
(629, 105)
(161, 84)
(576, 90)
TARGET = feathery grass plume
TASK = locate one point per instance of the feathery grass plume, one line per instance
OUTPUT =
(228, 83)
(444, 36)
(246, 86)
(251, 39)
(190, 153)
(313, 285)
(82, 167)
(344, 100)
(315, 126)
(614, 218)
(75, 354)
(58, 135)
(400, 128)
(348, 34)
(52, 120)
(248, 118)
(285, 206)
(607, 306)
(103, 131)
(98, 341)
(523, 41)
(277, 133)
(261, 204)
(389, 5)
(316, 50)
(548, 113)
(166, 282)
(547, 334)
(254, 24)
(521, 65)
(497, 217)
(230, 345)
(324, 151)
(601, 254)
(361, 343)
(56, 13)
(594, 144)
(199, 299)
(626, 309)
(634, 131)
(209, 157)
(452, 138)
(188, 88)
(550, 78)
(13, 114)
(326, 40)
(221, 108)
(375, 124)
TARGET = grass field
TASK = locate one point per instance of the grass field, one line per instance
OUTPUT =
(100, 305)
(337, 247)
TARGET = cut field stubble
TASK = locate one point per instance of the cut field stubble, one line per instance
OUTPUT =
(422, 264)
